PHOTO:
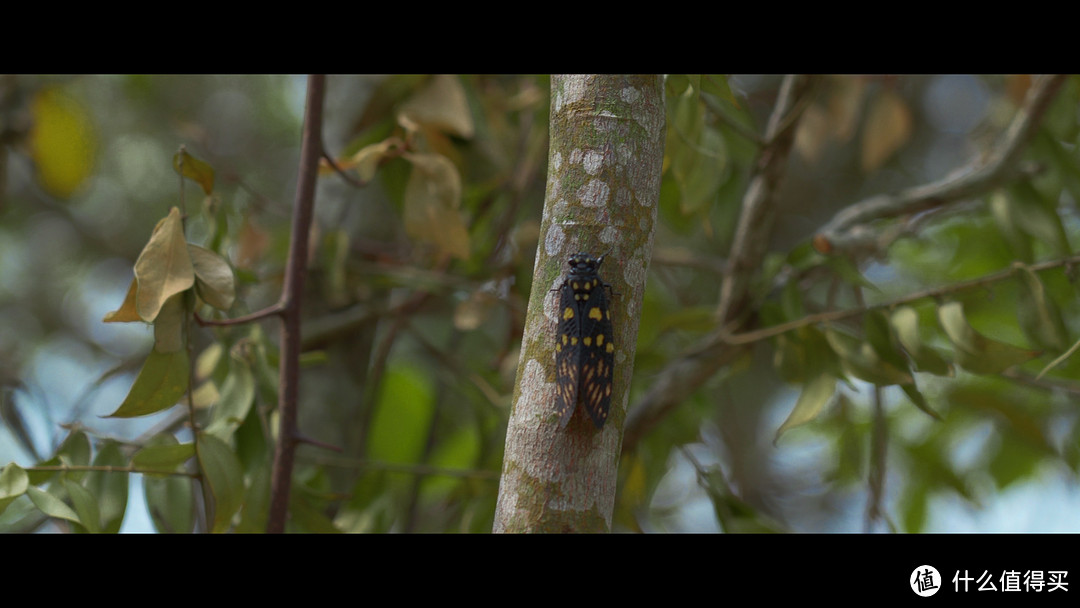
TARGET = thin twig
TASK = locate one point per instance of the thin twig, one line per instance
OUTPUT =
(935, 292)
(758, 212)
(352, 181)
(67, 468)
(878, 450)
(269, 311)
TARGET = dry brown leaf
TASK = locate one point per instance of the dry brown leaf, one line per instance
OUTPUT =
(888, 127)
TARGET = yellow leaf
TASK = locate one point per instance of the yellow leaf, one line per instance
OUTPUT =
(844, 103)
(126, 313)
(163, 268)
(252, 243)
(62, 143)
(440, 104)
(811, 134)
(888, 126)
(194, 169)
(213, 277)
(432, 197)
(367, 159)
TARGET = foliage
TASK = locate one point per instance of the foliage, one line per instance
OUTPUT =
(426, 222)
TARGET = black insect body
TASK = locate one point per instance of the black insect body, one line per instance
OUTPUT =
(584, 348)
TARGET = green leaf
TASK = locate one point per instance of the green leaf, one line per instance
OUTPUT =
(307, 518)
(254, 513)
(696, 152)
(223, 474)
(848, 271)
(51, 505)
(1038, 217)
(109, 488)
(405, 408)
(170, 502)
(13, 483)
(1039, 316)
(974, 351)
(717, 84)
(791, 301)
(163, 456)
(194, 169)
(161, 383)
(214, 279)
(85, 505)
(74, 451)
(812, 400)
(237, 396)
(880, 336)
(859, 359)
(164, 267)
(1004, 214)
(906, 323)
(168, 497)
(912, 391)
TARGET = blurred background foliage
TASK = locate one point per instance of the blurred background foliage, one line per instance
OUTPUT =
(426, 223)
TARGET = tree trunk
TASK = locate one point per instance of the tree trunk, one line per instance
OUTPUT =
(604, 162)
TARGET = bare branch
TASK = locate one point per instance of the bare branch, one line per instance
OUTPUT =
(847, 230)
(295, 275)
(680, 379)
(269, 311)
(758, 213)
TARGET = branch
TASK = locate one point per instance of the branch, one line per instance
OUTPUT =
(276, 309)
(758, 205)
(847, 230)
(352, 181)
(935, 292)
(684, 376)
(111, 469)
(293, 290)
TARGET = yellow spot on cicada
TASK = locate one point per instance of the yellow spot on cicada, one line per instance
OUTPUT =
(565, 338)
(610, 347)
(575, 285)
(568, 313)
(596, 313)
(589, 284)
(599, 339)
(573, 341)
(587, 341)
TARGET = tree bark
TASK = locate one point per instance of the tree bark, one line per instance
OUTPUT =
(604, 164)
